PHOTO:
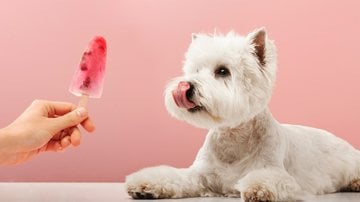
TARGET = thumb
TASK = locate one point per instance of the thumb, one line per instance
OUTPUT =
(70, 119)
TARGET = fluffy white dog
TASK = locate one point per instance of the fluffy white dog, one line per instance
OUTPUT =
(226, 87)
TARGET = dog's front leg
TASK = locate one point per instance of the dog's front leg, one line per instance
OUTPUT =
(162, 182)
(268, 184)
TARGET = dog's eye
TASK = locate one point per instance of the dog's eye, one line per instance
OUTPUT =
(222, 71)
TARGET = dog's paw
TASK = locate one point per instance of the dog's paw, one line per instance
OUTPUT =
(257, 193)
(148, 191)
(354, 186)
(156, 183)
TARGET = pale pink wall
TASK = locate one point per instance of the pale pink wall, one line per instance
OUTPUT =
(41, 43)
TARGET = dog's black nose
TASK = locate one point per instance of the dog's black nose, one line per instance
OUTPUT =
(190, 91)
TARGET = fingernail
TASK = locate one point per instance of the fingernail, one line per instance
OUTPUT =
(61, 149)
(81, 112)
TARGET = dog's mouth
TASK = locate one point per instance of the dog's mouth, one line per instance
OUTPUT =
(183, 95)
(196, 109)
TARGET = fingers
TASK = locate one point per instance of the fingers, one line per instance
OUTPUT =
(70, 119)
(75, 137)
(62, 119)
(60, 108)
(65, 115)
(88, 125)
(70, 136)
(50, 108)
(65, 142)
(52, 145)
(60, 145)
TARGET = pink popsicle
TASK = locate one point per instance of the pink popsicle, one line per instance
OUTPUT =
(88, 79)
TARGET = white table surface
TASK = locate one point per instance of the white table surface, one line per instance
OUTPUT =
(110, 192)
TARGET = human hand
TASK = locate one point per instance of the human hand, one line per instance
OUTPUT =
(43, 126)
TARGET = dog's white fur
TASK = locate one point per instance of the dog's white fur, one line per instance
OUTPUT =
(247, 152)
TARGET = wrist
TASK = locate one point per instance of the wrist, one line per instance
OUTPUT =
(3, 140)
(7, 140)
(2, 136)
(3, 145)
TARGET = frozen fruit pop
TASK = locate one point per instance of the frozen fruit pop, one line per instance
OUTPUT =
(88, 79)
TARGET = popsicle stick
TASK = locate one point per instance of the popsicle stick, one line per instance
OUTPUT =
(83, 100)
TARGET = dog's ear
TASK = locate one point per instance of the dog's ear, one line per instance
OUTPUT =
(258, 38)
(194, 37)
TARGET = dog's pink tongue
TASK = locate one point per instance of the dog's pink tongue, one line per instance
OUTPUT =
(179, 96)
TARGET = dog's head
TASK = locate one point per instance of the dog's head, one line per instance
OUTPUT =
(227, 80)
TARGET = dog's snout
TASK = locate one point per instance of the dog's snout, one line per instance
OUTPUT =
(190, 91)
(182, 95)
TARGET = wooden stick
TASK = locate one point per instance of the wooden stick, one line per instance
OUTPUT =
(83, 101)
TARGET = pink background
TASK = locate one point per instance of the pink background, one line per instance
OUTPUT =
(41, 44)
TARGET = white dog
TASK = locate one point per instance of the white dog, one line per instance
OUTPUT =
(226, 87)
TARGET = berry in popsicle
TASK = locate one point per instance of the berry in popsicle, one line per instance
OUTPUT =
(88, 79)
